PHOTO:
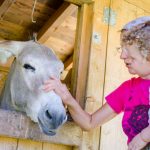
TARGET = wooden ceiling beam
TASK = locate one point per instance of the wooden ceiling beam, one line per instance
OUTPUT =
(5, 5)
(79, 2)
(68, 63)
(55, 21)
(1, 2)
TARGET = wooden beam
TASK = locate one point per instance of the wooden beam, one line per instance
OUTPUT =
(1, 2)
(9, 31)
(96, 75)
(81, 74)
(5, 6)
(143, 4)
(82, 52)
(55, 21)
(79, 2)
(68, 62)
(17, 125)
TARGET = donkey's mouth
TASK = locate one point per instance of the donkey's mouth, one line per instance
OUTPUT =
(49, 132)
(45, 129)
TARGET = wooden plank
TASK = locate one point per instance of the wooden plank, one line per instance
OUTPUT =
(1, 2)
(8, 143)
(29, 145)
(67, 73)
(82, 52)
(5, 6)
(79, 2)
(50, 146)
(96, 72)
(142, 4)
(61, 48)
(65, 34)
(116, 73)
(55, 21)
(76, 148)
(71, 21)
(68, 63)
(11, 31)
(15, 124)
(22, 11)
(81, 73)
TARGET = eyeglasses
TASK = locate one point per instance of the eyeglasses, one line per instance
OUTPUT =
(120, 49)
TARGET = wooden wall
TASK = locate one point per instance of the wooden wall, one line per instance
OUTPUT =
(18, 144)
(106, 72)
(121, 12)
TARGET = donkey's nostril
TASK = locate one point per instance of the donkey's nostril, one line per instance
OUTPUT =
(48, 114)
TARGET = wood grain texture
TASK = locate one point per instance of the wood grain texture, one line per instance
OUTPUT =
(116, 72)
(8, 143)
(15, 124)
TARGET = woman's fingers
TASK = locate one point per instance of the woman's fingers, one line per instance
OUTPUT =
(54, 78)
(56, 85)
(48, 88)
(52, 84)
(48, 85)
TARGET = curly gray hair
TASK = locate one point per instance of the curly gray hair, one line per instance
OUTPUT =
(138, 31)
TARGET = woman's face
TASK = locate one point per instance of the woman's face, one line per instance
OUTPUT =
(135, 61)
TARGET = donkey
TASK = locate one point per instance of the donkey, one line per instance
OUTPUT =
(34, 63)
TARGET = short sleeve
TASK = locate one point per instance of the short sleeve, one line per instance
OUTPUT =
(116, 99)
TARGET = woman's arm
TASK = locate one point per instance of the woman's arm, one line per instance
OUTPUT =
(145, 134)
(85, 120)
(140, 140)
(89, 121)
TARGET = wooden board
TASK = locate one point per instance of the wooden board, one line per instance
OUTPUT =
(14, 124)
(122, 11)
(29, 145)
(48, 146)
(8, 143)
(95, 80)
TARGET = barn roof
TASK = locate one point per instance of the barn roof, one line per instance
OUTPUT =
(54, 22)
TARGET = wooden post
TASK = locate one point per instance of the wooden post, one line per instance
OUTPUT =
(89, 64)
(82, 52)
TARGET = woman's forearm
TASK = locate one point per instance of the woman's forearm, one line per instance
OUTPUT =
(145, 134)
(82, 118)
(89, 121)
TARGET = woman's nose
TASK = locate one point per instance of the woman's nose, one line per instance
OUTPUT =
(123, 55)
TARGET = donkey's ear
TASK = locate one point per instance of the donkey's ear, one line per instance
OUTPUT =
(4, 55)
(10, 48)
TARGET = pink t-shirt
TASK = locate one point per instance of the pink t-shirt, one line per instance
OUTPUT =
(132, 98)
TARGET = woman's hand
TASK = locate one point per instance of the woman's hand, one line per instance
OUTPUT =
(55, 84)
(90, 121)
(137, 143)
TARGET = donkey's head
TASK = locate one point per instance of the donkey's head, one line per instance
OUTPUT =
(33, 65)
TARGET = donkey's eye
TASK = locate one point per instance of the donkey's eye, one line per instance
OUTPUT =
(28, 66)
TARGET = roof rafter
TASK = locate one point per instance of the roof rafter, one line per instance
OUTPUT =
(55, 21)
(5, 5)
(79, 2)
